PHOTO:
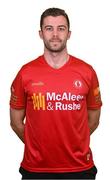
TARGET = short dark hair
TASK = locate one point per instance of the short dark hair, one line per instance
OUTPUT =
(54, 12)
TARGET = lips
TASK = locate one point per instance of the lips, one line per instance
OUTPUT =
(55, 40)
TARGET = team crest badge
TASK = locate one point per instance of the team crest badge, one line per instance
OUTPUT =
(78, 84)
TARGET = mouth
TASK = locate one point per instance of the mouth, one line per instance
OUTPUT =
(55, 40)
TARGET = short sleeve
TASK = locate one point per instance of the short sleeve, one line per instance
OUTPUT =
(94, 95)
(18, 96)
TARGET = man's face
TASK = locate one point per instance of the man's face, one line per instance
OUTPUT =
(55, 33)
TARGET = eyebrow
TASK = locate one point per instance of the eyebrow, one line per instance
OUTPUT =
(58, 26)
(62, 26)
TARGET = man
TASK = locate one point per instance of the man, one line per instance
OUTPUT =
(55, 106)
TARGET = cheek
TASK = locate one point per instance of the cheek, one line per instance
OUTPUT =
(64, 36)
(46, 36)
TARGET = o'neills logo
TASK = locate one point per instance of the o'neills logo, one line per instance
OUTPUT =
(55, 101)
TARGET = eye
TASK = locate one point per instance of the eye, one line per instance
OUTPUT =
(61, 28)
(48, 28)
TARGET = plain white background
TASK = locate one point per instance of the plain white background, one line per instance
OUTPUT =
(20, 43)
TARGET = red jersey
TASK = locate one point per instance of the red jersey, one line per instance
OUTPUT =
(57, 134)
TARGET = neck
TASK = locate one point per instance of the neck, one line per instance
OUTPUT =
(56, 59)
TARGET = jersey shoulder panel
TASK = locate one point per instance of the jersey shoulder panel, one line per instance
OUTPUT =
(79, 63)
(34, 63)
(82, 67)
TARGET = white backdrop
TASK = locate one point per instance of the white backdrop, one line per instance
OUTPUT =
(20, 43)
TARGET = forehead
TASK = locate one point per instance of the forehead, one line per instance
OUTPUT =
(54, 21)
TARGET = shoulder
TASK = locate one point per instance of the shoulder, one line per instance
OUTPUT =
(83, 69)
(31, 65)
(81, 66)
(79, 62)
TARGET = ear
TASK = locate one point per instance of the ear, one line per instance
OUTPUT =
(69, 34)
(40, 34)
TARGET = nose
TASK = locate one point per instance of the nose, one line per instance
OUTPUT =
(55, 32)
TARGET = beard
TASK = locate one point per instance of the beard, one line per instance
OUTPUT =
(55, 45)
